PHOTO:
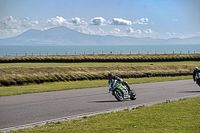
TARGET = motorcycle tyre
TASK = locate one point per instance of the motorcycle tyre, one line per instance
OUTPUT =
(119, 95)
(132, 95)
(198, 82)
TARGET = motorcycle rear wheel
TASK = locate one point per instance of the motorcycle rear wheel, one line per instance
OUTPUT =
(119, 95)
(132, 95)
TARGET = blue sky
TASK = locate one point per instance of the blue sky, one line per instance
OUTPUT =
(135, 18)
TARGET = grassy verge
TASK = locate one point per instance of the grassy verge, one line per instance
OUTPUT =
(33, 72)
(58, 86)
(104, 58)
(177, 116)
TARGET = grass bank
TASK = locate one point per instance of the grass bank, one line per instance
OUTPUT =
(21, 73)
(104, 58)
(58, 86)
(181, 116)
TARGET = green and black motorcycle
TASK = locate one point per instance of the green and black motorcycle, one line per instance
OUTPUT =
(121, 91)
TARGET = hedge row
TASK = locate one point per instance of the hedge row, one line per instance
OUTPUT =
(104, 58)
(14, 83)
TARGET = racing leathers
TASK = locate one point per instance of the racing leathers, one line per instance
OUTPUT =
(111, 83)
(196, 76)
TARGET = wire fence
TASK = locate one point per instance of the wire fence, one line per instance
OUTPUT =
(93, 53)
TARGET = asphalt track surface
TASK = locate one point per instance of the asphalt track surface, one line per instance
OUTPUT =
(40, 107)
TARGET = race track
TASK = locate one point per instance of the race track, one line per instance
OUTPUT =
(30, 108)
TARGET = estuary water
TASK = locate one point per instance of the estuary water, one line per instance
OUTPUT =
(10, 51)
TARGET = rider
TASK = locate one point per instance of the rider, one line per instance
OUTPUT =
(112, 77)
(196, 74)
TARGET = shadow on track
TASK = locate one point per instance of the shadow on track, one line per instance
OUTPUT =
(189, 92)
(104, 101)
(113, 101)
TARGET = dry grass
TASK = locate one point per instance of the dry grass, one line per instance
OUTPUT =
(42, 71)
(103, 57)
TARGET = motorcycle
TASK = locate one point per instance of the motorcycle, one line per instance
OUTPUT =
(198, 82)
(122, 91)
(198, 78)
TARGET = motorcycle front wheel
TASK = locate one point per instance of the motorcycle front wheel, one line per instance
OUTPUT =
(119, 95)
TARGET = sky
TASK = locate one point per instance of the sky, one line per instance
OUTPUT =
(135, 18)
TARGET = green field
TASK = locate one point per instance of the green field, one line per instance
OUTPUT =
(181, 116)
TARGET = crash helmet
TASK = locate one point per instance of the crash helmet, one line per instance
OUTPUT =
(196, 68)
(110, 75)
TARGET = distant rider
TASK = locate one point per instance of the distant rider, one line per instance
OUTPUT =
(112, 78)
(196, 75)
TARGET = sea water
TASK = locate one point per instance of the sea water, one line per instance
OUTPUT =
(10, 51)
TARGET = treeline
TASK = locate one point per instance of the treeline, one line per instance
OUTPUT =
(104, 58)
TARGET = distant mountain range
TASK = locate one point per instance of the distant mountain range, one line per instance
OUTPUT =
(65, 36)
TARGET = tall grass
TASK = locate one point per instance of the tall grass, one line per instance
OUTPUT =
(104, 58)
(46, 72)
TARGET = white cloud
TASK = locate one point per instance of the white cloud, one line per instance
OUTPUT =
(142, 21)
(56, 21)
(120, 21)
(97, 21)
(76, 20)
(129, 30)
(11, 26)
(138, 33)
(148, 31)
(16, 23)
(178, 35)
(100, 31)
(84, 29)
(115, 31)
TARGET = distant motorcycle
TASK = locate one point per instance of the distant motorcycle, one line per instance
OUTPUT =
(197, 79)
(122, 91)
